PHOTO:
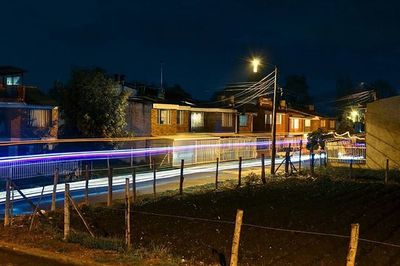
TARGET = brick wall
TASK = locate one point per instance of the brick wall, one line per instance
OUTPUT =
(54, 123)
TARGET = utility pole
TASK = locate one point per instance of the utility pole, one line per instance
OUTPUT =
(273, 150)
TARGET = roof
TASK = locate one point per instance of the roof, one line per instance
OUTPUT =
(10, 70)
(24, 106)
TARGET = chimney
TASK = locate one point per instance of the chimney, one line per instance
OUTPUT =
(311, 107)
(282, 103)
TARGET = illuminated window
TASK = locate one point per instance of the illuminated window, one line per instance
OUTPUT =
(323, 123)
(279, 119)
(164, 117)
(39, 118)
(227, 119)
(307, 123)
(197, 119)
(179, 117)
(243, 120)
(295, 123)
(332, 124)
(13, 80)
(268, 119)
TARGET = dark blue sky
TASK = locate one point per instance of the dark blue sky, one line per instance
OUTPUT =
(204, 44)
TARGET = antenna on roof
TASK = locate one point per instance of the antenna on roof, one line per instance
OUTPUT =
(161, 94)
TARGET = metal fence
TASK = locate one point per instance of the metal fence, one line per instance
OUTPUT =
(346, 152)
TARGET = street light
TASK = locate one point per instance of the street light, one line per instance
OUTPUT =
(255, 62)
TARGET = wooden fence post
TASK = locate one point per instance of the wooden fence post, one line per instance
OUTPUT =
(352, 251)
(351, 168)
(264, 181)
(134, 184)
(154, 178)
(127, 215)
(110, 186)
(236, 238)
(87, 175)
(216, 174)
(301, 147)
(66, 213)
(53, 197)
(181, 178)
(312, 162)
(387, 171)
(7, 220)
(240, 172)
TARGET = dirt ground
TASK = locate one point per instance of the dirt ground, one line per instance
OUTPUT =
(320, 205)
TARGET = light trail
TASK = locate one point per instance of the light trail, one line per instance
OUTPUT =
(145, 177)
(125, 153)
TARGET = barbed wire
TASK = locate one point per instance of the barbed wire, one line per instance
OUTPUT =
(257, 226)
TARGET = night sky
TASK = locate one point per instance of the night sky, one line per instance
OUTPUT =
(204, 44)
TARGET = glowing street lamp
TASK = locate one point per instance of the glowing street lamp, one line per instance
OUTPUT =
(255, 62)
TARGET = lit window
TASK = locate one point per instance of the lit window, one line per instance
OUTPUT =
(295, 123)
(323, 123)
(13, 80)
(243, 120)
(279, 119)
(164, 117)
(39, 118)
(197, 119)
(179, 117)
(307, 123)
(227, 119)
(268, 119)
(332, 124)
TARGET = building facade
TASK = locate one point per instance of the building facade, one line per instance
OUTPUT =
(20, 120)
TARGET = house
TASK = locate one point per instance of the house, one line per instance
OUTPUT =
(159, 117)
(382, 122)
(20, 119)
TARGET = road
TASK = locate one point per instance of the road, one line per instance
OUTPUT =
(199, 174)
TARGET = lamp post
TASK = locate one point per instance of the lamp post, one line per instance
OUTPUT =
(255, 63)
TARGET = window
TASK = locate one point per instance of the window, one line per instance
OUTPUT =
(13, 80)
(197, 119)
(243, 120)
(332, 124)
(164, 117)
(323, 124)
(268, 119)
(39, 118)
(295, 123)
(279, 119)
(227, 119)
(307, 123)
(180, 117)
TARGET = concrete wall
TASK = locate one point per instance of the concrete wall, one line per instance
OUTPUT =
(382, 122)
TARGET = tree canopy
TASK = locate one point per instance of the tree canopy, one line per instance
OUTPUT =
(92, 104)
(296, 90)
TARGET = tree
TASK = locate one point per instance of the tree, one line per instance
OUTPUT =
(296, 90)
(316, 140)
(93, 105)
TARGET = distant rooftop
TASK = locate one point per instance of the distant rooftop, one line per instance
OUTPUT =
(10, 70)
